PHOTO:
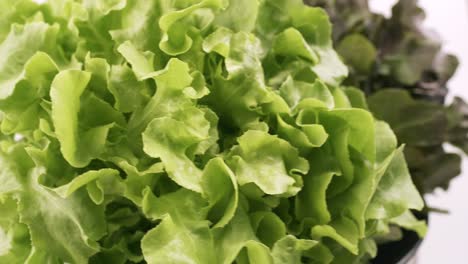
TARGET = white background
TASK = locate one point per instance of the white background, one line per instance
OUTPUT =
(447, 240)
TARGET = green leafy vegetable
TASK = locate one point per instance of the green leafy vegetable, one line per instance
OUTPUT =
(201, 131)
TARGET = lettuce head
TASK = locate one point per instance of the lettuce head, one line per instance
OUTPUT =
(188, 131)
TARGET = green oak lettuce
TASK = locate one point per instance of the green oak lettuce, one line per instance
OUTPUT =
(189, 131)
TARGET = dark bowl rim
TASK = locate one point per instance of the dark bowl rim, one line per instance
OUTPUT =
(402, 251)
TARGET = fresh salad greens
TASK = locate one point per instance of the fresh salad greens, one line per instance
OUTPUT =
(396, 59)
(188, 131)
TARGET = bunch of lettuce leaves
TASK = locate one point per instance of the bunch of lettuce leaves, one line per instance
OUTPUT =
(400, 65)
(188, 131)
